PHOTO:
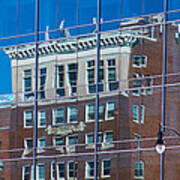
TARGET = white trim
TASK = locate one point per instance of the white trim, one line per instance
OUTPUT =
(86, 168)
(23, 171)
(68, 114)
(102, 168)
(24, 115)
(53, 162)
(39, 112)
(137, 113)
(54, 115)
(38, 171)
(91, 120)
(107, 110)
(142, 108)
(74, 170)
(57, 167)
(25, 143)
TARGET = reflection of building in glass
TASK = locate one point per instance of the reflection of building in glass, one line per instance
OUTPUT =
(66, 115)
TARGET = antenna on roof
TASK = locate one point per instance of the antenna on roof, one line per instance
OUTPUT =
(64, 32)
(47, 37)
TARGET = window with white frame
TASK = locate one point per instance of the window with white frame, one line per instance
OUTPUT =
(42, 83)
(28, 143)
(60, 170)
(59, 79)
(89, 169)
(72, 140)
(72, 169)
(58, 141)
(58, 116)
(149, 84)
(72, 114)
(90, 138)
(139, 169)
(137, 83)
(137, 137)
(106, 168)
(142, 108)
(138, 111)
(42, 142)
(72, 77)
(135, 113)
(90, 68)
(28, 84)
(90, 112)
(110, 110)
(41, 172)
(108, 137)
(101, 76)
(101, 111)
(26, 172)
(112, 80)
(41, 118)
(28, 118)
(139, 61)
(53, 170)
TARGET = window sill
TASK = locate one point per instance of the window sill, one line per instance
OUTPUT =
(90, 146)
(28, 127)
(103, 177)
(138, 177)
(107, 146)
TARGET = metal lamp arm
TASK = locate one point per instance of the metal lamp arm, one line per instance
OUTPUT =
(172, 129)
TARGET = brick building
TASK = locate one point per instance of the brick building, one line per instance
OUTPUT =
(129, 110)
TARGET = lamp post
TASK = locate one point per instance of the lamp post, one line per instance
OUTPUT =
(160, 145)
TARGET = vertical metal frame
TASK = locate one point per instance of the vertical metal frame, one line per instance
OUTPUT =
(97, 93)
(163, 98)
(36, 91)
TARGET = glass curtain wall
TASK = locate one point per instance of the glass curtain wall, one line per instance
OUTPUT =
(84, 87)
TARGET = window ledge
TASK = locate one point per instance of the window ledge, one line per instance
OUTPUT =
(107, 146)
(90, 146)
(138, 177)
(108, 176)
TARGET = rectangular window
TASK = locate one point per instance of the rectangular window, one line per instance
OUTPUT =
(42, 83)
(106, 168)
(60, 80)
(112, 80)
(72, 77)
(41, 118)
(90, 138)
(110, 110)
(58, 141)
(72, 140)
(137, 137)
(28, 84)
(72, 114)
(28, 143)
(89, 169)
(42, 142)
(142, 113)
(61, 170)
(90, 112)
(26, 170)
(58, 116)
(91, 76)
(137, 83)
(149, 84)
(139, 169)
(101, 111)
(28, 118)
(72, 169)
(108, 137)
(135, 113)
(139, 61)
(53, 170)
(41, 172)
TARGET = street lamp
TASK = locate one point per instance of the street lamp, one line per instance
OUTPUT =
(160, 145)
